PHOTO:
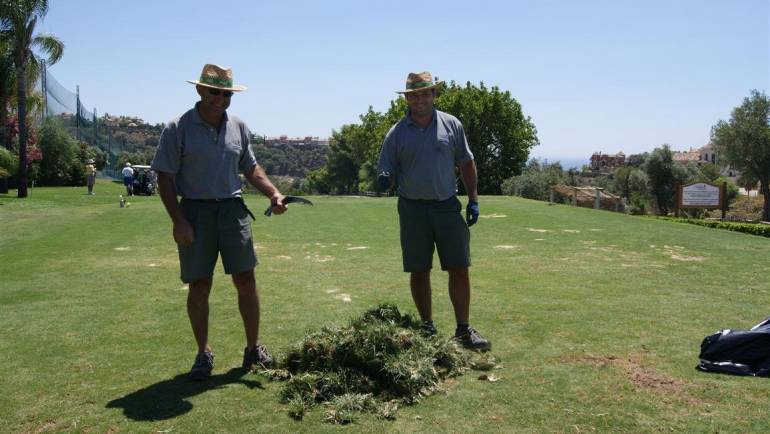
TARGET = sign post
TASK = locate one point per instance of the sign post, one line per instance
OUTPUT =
(701, 195)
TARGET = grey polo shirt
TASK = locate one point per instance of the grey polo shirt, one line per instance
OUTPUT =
(424, 159)
(205, 160)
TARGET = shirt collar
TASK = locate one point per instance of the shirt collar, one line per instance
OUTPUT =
(409, 120)
(198, 119)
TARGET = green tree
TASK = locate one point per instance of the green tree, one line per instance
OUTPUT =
(743, 142)
(622, 178)
(535, 181)
(8, 163)
(663, 174)
(60, 155)
(499, 134)
(747, 181)
(17, 23)
(318, 181)
(636, 160)
(709, 173)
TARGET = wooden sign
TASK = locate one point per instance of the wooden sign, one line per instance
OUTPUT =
(701, 195)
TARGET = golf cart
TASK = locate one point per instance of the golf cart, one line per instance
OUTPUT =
(145, 180)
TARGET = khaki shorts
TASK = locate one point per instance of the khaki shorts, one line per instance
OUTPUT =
(220, 228)
(425, 223)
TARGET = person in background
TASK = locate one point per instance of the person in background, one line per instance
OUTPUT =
(90, 176)
(128, 179)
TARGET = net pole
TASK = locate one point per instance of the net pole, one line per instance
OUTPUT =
(77, 112)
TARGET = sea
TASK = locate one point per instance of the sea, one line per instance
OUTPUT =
(566, 163)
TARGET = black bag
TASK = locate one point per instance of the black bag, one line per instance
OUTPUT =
(739, 352)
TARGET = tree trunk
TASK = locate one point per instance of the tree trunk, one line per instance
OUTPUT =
(5, 90)
(4, 139)
(4, 118)
(21, 78)
(765, 189)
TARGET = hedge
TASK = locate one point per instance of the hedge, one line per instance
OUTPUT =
(763, 230)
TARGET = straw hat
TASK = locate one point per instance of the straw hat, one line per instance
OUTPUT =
(217, 77)
(417, 81)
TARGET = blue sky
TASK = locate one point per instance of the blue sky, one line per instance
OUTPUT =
(593, 75)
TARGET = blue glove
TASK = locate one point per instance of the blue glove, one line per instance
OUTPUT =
(472, 213)
(383, 181)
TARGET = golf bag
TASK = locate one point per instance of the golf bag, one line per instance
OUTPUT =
(739, 352)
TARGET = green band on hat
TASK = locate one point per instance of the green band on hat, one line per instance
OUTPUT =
(418, 84)
(216, 81)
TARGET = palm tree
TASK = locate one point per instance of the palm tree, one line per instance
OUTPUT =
(6, 80)
(17, 23)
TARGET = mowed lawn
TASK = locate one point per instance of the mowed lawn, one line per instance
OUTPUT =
(596, 318)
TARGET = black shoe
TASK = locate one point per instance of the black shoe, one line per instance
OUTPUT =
(201, 369)
(472, 339)
(257, 356)
(428, 329)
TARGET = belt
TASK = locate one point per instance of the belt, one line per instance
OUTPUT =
(224, 199)
(427, 201)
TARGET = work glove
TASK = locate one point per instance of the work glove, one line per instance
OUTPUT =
(383, 181)
(472, 213)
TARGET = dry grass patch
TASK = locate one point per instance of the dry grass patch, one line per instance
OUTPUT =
(641, 375)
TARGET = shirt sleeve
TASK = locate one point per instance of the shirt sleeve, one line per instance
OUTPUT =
(463, 151)
(168, 155)
(247, 160)
(388, 154)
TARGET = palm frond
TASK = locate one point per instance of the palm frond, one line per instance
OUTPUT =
(52, 46)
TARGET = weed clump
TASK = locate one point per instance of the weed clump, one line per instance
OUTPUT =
(374, 364)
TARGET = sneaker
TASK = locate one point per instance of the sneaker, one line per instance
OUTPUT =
(473, 340)
(257, 356)
(428, 329)
(201, 369)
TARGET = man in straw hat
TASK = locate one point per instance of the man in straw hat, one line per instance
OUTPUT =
(199, 158)
(90, 175)
(421, 153)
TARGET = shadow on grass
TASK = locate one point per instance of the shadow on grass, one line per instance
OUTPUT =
(168, 399)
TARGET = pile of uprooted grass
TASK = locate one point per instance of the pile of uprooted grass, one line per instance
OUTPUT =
(374, 364)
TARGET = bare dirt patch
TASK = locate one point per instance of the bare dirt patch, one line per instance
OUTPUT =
(638, 373)
(505, 247)
(49, 426)
(677, 253)
(319, 258)
(538, 230)
(345, 298)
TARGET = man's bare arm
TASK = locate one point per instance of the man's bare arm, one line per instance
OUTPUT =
(258, 178)
(470, 179)
(183, 232)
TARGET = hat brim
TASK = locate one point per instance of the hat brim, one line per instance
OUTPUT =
(435, 85)
(235, 88)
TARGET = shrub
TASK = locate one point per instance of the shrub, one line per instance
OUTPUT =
(59, 165)
(9, 163)
(762, 230)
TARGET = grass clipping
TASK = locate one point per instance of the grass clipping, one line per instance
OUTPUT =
(374, 364)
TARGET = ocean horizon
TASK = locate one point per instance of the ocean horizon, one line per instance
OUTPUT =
(566, 162)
